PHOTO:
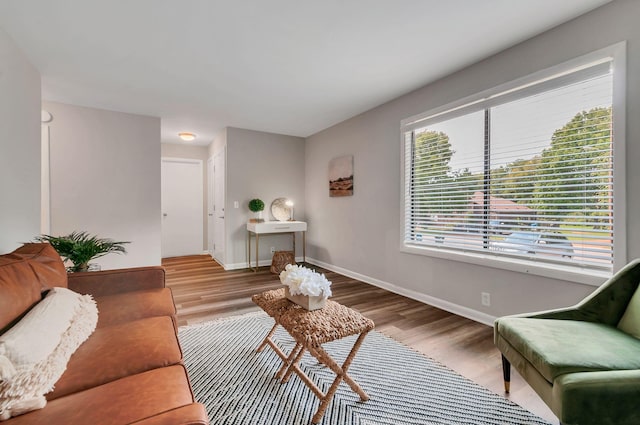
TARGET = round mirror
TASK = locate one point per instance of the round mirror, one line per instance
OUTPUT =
(280, 210)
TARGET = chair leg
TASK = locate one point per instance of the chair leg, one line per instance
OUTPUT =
(506, 373)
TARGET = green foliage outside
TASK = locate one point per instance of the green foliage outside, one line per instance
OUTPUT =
(441, 190)
(582, 147)
(567, 182)
(81, 247)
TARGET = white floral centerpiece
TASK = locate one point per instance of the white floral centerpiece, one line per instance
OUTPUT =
(305, 287)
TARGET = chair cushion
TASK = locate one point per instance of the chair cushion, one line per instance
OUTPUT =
(556, 347)
(630, 322)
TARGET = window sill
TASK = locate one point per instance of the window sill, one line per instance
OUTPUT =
(568, 273)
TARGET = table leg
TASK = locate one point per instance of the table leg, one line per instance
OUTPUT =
(341, 374)
(267, 338)
(304, 248)
(249, 248)
(257, 252)
(293, 235)
(294, 358)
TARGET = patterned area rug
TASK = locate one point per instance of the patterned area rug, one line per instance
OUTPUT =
(236, 384)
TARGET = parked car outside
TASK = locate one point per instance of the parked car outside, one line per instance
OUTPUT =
(540, 243)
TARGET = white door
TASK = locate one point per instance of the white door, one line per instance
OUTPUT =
(181, 207)
(218, 218)
(210, 206)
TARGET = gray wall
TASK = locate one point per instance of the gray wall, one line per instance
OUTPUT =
(19, 147)
(172, 150)
(105, 179)
(266, 166)
(218, 143)
(360, 235)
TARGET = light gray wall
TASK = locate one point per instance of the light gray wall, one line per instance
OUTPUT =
(218, 143)
(172, 150)
(266, 166)
(361, 234)
(105, 179)
(19, 147)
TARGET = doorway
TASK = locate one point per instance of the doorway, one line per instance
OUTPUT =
(182, 221)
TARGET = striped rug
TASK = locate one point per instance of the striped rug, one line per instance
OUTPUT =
(236, 384)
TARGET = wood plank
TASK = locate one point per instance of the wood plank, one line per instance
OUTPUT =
(204, 291)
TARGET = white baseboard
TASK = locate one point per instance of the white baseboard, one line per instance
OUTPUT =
(467, 312)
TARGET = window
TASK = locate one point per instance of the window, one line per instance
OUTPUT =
(524, 173)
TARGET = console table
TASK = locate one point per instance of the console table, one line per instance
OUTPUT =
(275, 227)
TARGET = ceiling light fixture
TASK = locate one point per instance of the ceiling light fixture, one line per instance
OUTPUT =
(187, 137)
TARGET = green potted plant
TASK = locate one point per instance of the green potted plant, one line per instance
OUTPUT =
(80, 247)
(256, 206)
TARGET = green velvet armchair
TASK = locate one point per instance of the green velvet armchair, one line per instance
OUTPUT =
(583, 361)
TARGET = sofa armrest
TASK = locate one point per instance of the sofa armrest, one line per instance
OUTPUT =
(110, 282)
(567, 313)
(605, 397)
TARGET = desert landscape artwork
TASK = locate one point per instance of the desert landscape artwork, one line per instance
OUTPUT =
(341, 176)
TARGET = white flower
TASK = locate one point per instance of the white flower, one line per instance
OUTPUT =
(304, 281)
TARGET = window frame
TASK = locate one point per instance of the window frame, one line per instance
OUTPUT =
(502, 94)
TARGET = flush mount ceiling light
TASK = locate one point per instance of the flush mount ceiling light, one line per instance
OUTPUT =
(187, 137)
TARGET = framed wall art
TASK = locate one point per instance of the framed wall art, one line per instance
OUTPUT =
(341, 176)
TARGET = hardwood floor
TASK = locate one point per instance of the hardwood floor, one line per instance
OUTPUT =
(203, 291)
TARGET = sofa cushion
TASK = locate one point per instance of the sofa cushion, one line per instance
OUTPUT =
(117, 351)
(46, 262)
(556, 347)
(23, 274)
(36, 350)
(124, 401)
(630, 321)
(19, 289)
(192, 414)
(135, 305)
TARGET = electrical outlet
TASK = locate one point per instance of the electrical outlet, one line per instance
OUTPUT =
(273, 249)
(236, 204)
(485, 297)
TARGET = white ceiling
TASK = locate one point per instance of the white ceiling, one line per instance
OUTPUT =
(284, 66)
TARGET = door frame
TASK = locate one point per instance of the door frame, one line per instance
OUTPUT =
(220, 232)
(210, 206)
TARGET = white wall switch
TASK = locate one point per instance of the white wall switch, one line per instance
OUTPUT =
(236, 204)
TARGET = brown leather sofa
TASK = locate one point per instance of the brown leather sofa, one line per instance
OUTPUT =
(130, 369)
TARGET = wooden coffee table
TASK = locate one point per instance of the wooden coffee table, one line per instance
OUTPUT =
(311, 329)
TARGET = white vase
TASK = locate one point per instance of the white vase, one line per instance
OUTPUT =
(307, 302)
(257, 217)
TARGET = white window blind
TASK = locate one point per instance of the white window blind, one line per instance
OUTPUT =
(526, 174)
